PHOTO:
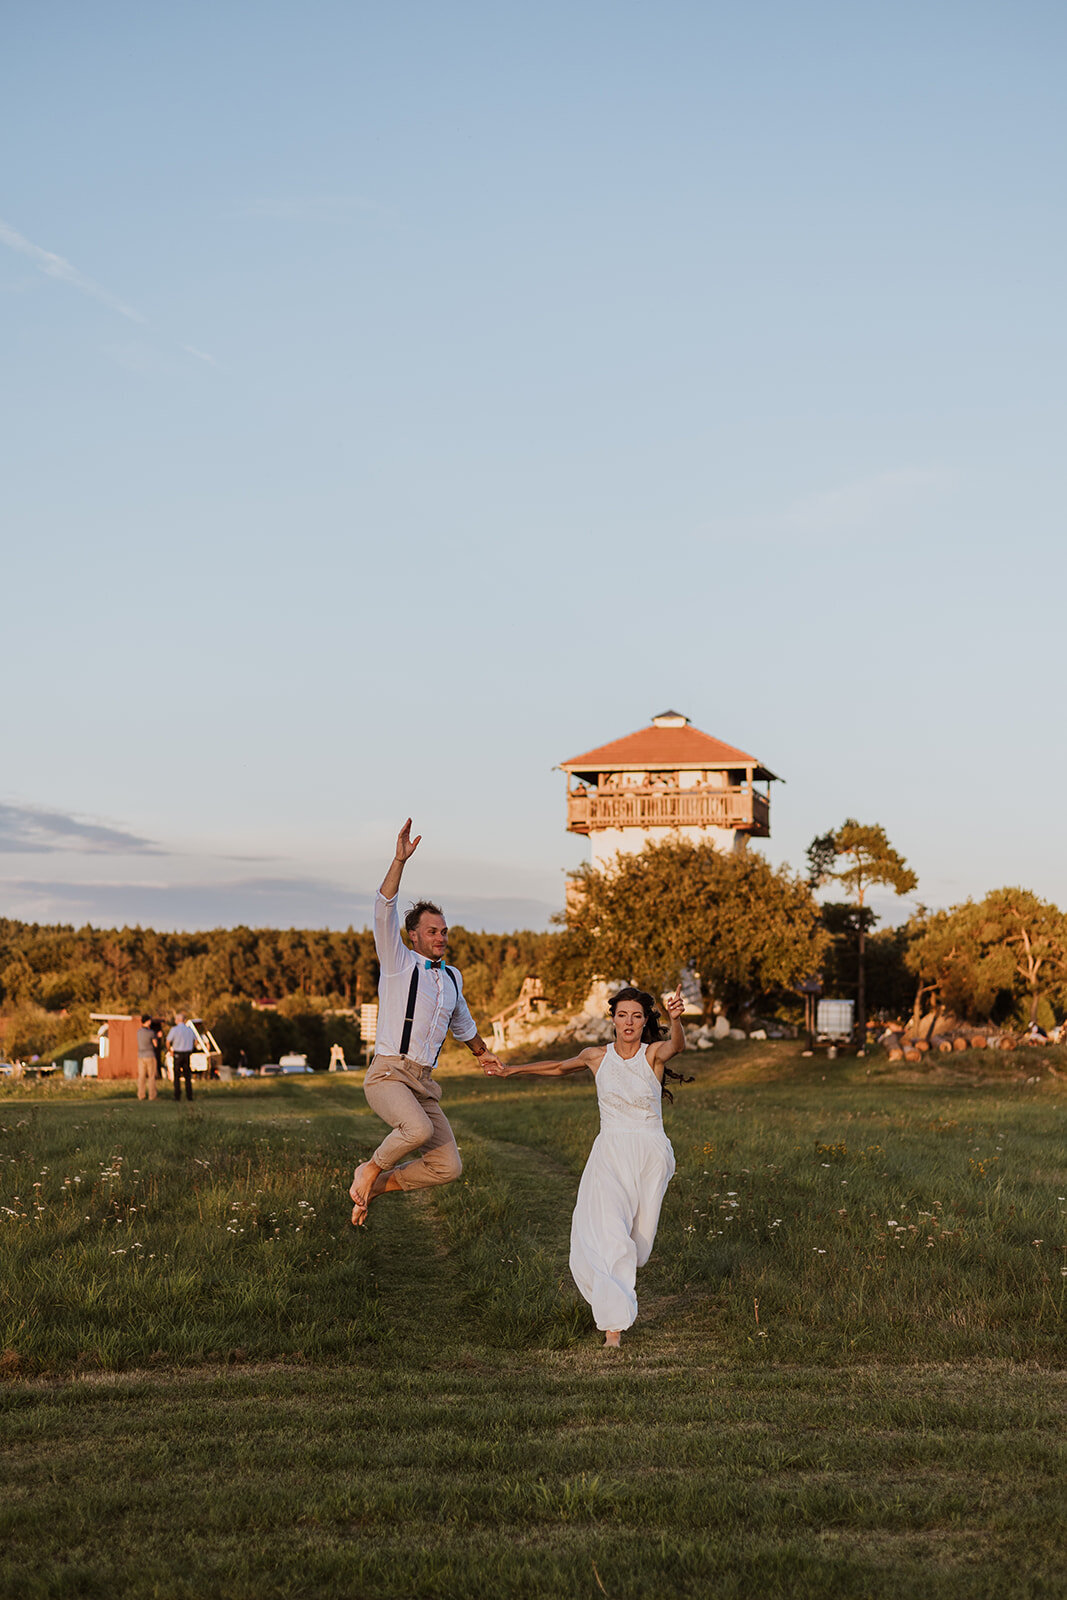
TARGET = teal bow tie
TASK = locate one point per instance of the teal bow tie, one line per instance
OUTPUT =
(432, 964)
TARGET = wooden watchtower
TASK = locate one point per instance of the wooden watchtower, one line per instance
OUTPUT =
(668, 778)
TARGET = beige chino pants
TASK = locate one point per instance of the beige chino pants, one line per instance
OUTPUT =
(146, 1069)
(405, 1096)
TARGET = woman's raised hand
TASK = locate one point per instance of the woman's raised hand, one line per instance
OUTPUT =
(405, 844)
(675, 1003)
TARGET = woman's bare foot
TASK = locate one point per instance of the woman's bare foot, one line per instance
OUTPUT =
(612, 1339)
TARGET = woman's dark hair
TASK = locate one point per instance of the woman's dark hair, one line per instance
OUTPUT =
(411, 921)
(651, 1033)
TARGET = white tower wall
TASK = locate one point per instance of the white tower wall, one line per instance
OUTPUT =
(606, 844)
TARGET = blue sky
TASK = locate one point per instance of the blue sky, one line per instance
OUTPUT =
(400, 399)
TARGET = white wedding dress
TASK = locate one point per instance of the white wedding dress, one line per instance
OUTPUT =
(622, 1188)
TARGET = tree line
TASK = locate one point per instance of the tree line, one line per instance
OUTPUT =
(52, 977)
(752, 931)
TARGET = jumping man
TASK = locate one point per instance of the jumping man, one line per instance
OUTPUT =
(419, 999)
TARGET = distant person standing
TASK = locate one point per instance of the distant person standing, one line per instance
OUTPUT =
(182, 1042)
(159, 1040)
(146, 1058)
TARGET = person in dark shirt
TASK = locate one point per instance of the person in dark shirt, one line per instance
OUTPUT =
(159, 1045)
(146, 1058)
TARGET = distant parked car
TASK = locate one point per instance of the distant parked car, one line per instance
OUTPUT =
(287, 1064)
(7, 1069)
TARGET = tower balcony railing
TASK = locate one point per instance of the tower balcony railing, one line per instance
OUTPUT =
(742, 809)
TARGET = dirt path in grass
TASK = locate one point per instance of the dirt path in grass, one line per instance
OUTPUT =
(418, 1288)
(429, 1269)
(419, 1279)
(542, 1187)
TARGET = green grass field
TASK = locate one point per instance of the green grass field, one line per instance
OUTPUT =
(847, 1378)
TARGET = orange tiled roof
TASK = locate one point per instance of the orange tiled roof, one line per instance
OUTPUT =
(663, 747)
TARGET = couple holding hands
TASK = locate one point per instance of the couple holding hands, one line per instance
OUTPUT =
(420, 997)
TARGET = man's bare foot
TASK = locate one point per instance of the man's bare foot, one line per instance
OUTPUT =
(359, 1193)
(612, 1339)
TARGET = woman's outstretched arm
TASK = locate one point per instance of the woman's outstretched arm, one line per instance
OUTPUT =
(587, 1061)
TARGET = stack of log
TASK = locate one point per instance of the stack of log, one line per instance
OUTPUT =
(941, 1034)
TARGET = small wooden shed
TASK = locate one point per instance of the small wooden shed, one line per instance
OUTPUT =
(117, 1057)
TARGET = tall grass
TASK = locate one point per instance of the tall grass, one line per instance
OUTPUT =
(134, 1233)
(829, 1222)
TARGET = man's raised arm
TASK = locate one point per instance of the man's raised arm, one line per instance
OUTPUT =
(405, 849)
(392, 951)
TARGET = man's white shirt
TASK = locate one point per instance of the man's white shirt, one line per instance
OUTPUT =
(439, 1002)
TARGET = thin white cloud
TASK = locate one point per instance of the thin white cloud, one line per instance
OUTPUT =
(54, 266)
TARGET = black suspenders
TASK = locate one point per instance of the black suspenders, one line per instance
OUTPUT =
(413, 994)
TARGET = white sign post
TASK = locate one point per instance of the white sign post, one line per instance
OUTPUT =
(368, 1030)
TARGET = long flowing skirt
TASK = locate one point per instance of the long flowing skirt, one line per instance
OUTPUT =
(615, 1218)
